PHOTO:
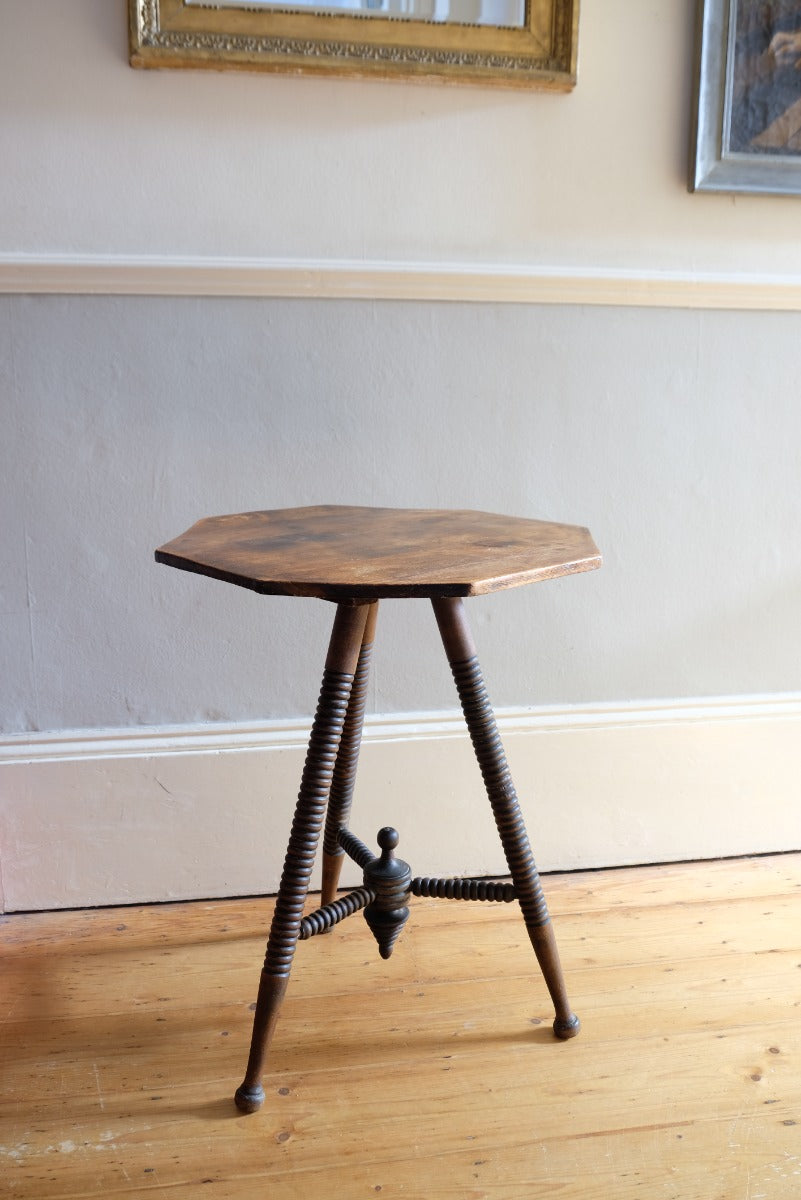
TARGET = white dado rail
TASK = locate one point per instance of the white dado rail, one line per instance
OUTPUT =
(343, 280)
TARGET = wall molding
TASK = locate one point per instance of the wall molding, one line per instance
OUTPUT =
(352, 280)
(135, 815)
(292, 733)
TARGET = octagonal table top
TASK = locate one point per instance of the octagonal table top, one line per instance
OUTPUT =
(345, 553)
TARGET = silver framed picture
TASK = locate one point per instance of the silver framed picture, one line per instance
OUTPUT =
(747, 99)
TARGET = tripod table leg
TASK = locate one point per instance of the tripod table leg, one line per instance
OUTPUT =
(461, 652)
(340, 666)
(345, 770)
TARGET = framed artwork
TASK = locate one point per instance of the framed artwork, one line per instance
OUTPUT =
(516, 43)
(747, 100)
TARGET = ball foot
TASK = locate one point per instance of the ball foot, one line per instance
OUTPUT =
(249, 1099)
(566, 1027)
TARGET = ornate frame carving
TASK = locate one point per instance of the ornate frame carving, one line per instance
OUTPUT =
(541, 54)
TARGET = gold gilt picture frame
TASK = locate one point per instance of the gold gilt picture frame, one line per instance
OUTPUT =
(533, 45)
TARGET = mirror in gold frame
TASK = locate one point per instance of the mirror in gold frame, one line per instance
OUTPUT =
(516, 43)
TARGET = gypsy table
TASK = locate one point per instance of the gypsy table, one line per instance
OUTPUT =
(356, 557)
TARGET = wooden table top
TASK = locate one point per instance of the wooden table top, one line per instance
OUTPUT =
(344, 553)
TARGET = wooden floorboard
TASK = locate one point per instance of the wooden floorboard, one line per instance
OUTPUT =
(433, 1075)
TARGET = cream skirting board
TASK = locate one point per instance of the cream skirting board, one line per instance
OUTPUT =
(131, 815)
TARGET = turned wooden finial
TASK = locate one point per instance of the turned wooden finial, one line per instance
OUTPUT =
(387, 839)
(390, 878)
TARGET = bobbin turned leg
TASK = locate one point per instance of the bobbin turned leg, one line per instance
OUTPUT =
(342, 784)
(332, 708)
(461, 652)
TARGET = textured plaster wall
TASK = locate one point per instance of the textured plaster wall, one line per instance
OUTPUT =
(673, 434)
(102, 159)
